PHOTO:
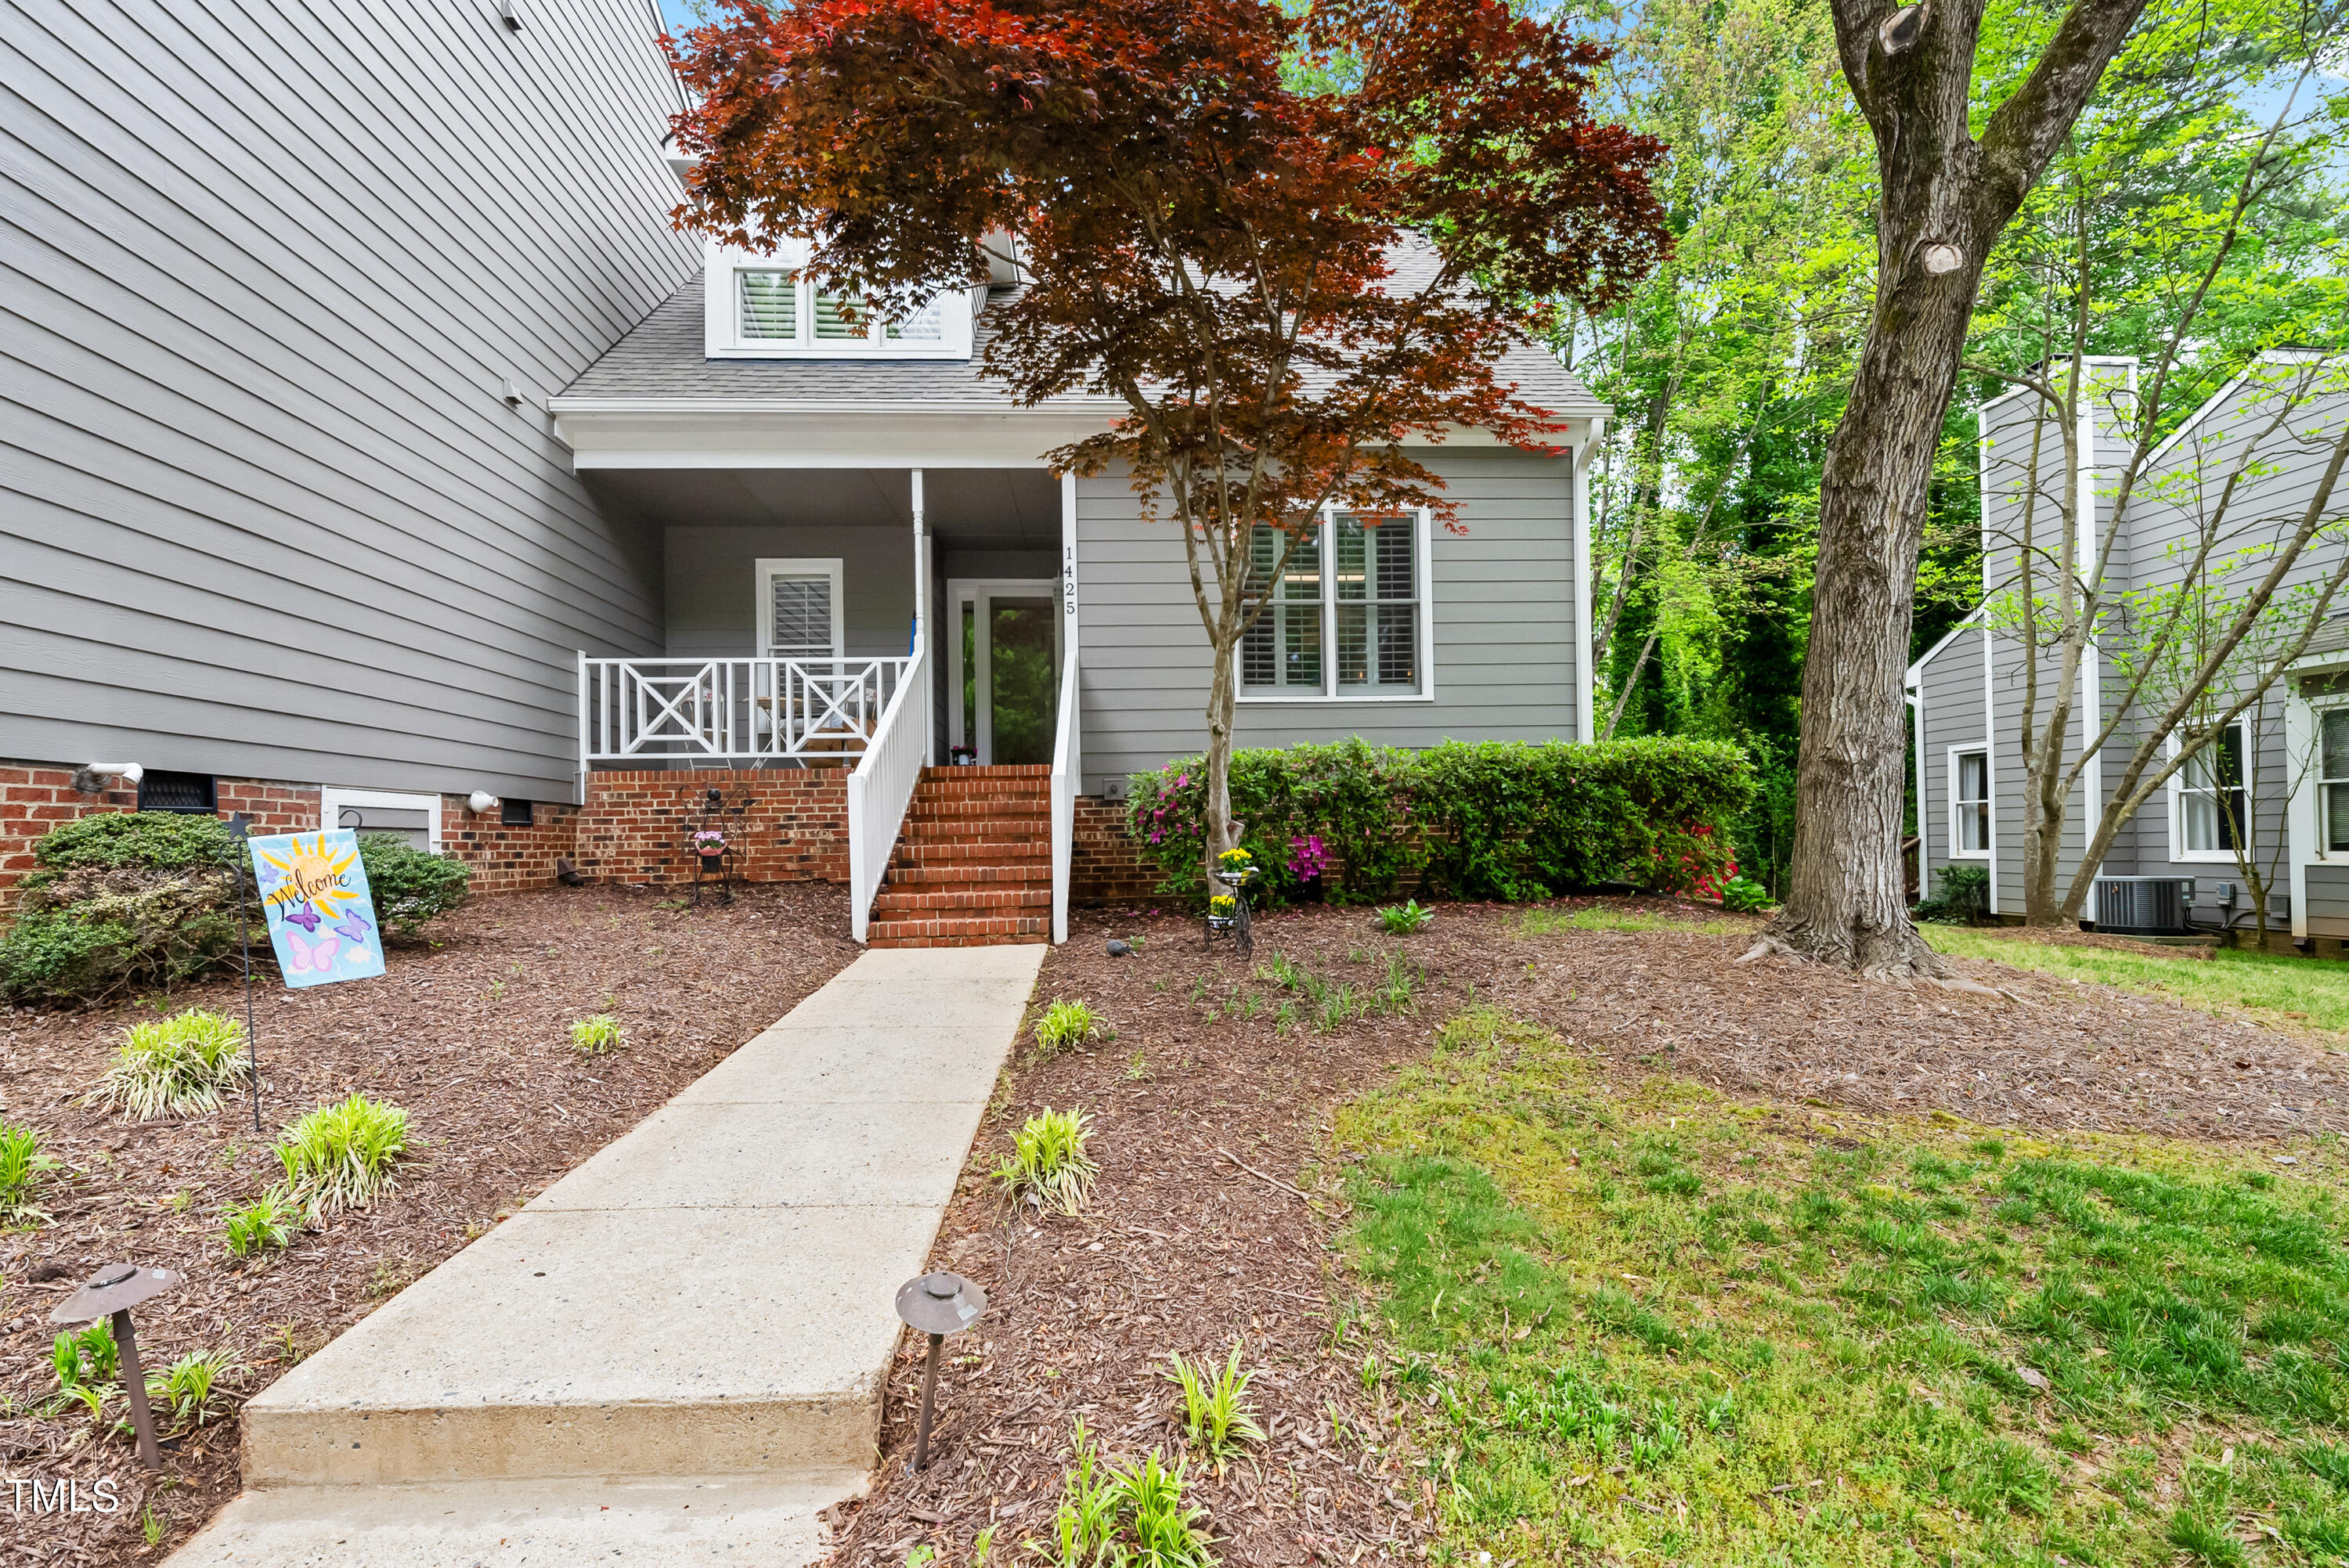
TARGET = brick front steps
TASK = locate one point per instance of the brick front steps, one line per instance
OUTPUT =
(973, 867)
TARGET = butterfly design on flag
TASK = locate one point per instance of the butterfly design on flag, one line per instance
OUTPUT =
(304, 916)
(312, 957)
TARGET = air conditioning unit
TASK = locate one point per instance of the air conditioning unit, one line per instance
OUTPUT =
(2143, 906)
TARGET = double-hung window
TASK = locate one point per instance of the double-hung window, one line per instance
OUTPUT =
(1345, 611)
(2212, 794)
(1970, 803)
(2332, 754)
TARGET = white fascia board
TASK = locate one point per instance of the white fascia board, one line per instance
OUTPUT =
(2218, 398)
(833, 436)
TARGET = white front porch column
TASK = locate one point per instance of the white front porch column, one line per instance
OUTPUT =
(921, 609)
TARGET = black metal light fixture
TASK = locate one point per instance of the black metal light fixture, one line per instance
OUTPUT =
(112, 1291)
(937, 1304)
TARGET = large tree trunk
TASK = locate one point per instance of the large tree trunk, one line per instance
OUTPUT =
(1946, 197)
(1846, 899)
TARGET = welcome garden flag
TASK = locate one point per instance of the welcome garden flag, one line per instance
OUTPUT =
(315, 901)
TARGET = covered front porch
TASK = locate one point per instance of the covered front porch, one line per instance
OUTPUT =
(869, 622)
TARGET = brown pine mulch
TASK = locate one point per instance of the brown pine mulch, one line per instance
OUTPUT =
(1220, 1197)
(469, 1035)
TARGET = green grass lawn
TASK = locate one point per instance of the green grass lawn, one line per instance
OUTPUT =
(1655, 1325)
(2271, 989)
(1541, 922)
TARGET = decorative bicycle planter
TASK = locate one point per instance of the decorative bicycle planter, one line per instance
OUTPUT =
(1227, 912)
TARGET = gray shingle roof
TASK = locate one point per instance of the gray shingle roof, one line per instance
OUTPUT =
(662, 359)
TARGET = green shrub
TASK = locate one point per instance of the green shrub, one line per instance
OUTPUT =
(1066, 1026)
(124, 901)
(410, 886)
(595, 1036)
(262, 1224)
(1048, 1162)
(1493, 820)
(23, 1167)
(182, 1066)
(1962, 897)
(1743, 895)
(152, 840)
(341, 1155)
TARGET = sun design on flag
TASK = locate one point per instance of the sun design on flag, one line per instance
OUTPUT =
(315, 873)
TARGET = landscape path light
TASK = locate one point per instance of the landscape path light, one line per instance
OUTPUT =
(937, 1304)
(112, 1291)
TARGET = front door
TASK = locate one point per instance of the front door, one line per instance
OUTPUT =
(1004, 681)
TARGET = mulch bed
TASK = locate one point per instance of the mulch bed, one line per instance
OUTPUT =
(1209, 1124)
(470, 1035)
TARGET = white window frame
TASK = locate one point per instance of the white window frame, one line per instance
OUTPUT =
(1330, 691)
(2318, 708)
(2179, 852)
(1990, 803)
(721, 325)
(769, 567)
(332, 800)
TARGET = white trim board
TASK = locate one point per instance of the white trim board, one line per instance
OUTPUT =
(767, 568)
(333, 802)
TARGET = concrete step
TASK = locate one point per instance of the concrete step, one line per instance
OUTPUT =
(1021, 939)
(682, 1522)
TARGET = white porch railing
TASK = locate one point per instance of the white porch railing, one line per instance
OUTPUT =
(1068, 779)
(731, 711)
(883, 785)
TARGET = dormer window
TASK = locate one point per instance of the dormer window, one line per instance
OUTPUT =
(765, 307)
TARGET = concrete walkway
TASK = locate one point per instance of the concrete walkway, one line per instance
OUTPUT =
(676, 1353)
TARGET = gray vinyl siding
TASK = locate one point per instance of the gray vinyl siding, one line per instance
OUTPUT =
(2185, 485)
(713, 592)
(1950, 689)
(1504, 646)
(2328, 901)
(265, 269)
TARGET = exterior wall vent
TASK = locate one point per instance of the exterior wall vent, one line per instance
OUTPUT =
(194, 794)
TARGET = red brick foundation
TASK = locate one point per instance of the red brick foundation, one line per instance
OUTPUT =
(1106, 864)
(34, 797)
(636, 826)
(508, 857)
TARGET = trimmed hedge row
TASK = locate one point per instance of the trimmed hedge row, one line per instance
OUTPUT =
(1494, 819)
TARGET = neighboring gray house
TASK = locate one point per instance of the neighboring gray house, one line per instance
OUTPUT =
(376, 452)
(2271, 781)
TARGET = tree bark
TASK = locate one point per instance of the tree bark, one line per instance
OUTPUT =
(1946, 197)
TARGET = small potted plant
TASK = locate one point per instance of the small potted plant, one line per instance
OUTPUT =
(709, 844)
(1221, 910)
(1235, 868)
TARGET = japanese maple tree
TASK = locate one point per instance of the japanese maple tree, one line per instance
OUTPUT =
(1291, 245)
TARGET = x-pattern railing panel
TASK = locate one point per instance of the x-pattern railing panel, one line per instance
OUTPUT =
(732, 710)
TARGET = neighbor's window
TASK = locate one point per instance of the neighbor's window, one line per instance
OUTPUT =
(1970, 802)
(2212, 796)
(1350, 631)
(2335, 754)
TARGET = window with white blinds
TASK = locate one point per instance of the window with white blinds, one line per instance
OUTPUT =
(800, 609)
(769, 306)
(1347, 617)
